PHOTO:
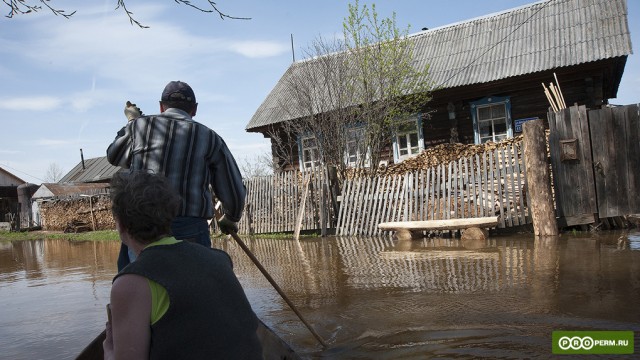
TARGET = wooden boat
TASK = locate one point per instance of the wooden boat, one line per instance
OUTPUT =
(273, 347)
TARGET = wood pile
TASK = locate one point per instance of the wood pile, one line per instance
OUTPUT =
(444, 154)
(77, 226)
(70, 214)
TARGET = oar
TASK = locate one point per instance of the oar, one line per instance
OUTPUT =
(275, 286)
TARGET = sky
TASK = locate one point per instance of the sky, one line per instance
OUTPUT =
(64, 82)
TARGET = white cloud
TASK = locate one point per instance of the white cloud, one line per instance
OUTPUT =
(104, 43)
(52, 142)
(258, 49)
(36, 103)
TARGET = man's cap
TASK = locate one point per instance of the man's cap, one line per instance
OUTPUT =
(178, 91)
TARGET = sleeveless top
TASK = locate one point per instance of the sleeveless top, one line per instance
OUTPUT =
(208, 315)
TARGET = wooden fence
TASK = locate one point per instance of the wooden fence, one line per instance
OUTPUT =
(594, 154)
(487, 184)
(273, 203)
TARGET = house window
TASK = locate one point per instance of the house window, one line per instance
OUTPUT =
(408, 141)
(310, 154)
(356, 149)
(491, 119)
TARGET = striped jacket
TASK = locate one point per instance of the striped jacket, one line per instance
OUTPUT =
(189, 154)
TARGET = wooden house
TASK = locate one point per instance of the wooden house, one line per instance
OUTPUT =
(9, 205)
(490, 73)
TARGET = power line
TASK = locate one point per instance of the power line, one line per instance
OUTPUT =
(496, 44)
(22, 172)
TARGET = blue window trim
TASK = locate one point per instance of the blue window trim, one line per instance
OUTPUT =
(486, 101)
(396, 152)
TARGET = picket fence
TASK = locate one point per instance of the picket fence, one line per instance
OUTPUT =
(273, 203)
(487, 184)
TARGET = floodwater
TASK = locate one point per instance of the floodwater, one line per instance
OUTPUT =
(366, 297)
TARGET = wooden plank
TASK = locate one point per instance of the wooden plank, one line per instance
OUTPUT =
(474, 189)
(361, 222)
(346, 185)
(446, 224)
(395, 203)
(432, 185)
(424, 183)
(357, 206)
(499, 177)
(406, 197)
(437, 193)
(508, 198)
(633, 149)
(388, 197)
(354, 205)
(517, 159)
(464, 196)
(366, 207)
(447, 194)
(375, 206)
(621, 144)
(301, 209)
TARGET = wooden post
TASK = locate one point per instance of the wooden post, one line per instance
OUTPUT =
(296, 231)
(538, 179)
(93, 218)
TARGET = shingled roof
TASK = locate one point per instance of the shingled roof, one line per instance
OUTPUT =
(532, 38)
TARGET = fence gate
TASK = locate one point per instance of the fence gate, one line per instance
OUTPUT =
(593, 156)
(616, 159)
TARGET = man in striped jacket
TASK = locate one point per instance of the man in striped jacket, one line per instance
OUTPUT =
(190, 155)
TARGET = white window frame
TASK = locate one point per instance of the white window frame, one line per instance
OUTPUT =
(309, 152)
(476, 106)
(355, 141)
(405, 134)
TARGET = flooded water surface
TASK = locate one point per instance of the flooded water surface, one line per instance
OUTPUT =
(366, 297)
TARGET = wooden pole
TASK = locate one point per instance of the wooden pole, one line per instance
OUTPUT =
(538, 179)
(275, 286)
(550, 99)
(564, 104)
(245, 248)
(296, 232)
(93, 218)
(556, 96)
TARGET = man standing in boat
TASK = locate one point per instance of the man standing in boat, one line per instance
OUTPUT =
(177, 300)
(190, 155)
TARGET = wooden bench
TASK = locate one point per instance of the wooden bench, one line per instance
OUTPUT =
(474, 228)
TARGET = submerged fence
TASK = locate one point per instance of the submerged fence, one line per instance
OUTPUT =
(487, 184)
(273, 203)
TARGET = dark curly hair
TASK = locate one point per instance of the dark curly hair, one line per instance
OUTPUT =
(144, 204)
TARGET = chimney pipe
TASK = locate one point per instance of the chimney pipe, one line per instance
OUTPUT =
(82, 159)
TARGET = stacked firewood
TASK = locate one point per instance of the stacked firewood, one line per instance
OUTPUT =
(444, 154)
(74, 214)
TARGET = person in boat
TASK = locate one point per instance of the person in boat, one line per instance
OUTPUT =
(177, 300)
(192, 156)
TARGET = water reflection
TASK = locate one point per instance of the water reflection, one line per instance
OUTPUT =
(51, 291)
(368, 297)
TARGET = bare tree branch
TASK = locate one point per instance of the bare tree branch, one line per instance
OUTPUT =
(23, 7)
(351, 95)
